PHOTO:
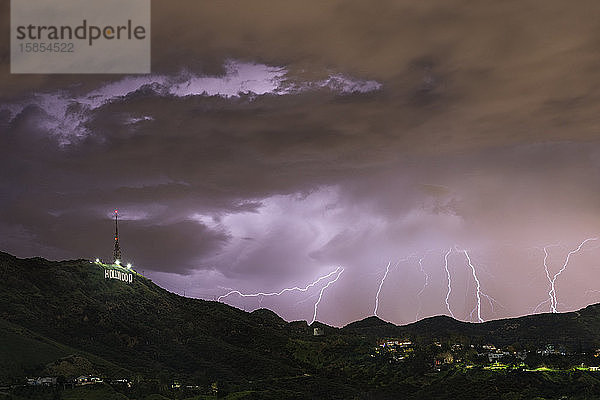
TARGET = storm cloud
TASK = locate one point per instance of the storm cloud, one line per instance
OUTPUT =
(276, 141)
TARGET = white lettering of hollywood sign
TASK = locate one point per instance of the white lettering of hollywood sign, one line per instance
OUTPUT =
(116, 274)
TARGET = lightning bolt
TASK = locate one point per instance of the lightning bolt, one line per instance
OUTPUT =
(322, 290)
(478, 292)
(422, 289)
(552, 297)
(337, 272)
(282, 291)
(387, 270)
(449, 281)
(551, 280)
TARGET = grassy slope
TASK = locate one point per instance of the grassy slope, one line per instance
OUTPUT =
(140, 326)
(23, 352)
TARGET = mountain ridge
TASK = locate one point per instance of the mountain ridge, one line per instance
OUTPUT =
(142, 331)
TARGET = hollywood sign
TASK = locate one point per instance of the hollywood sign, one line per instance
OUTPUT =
(126, 277)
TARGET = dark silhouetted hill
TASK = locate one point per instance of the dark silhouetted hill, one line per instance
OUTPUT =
(65, 318)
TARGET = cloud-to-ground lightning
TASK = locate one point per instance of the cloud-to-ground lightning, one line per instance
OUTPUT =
(449, 282)
(425, 283)
(337, 272)
(282, 291)
(552, 296)
(387, 270)
(479, 293)
(321, 293)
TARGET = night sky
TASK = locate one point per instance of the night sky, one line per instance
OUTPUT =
(277, 141)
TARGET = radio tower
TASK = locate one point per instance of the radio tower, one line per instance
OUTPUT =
(117, 252)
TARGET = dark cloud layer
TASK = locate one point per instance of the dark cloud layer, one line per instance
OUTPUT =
(392, 128)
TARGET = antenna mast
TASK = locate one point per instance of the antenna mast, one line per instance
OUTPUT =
(117, 252)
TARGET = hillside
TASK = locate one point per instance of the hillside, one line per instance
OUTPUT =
(141, 325)
(65, 318)
(575, 330)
